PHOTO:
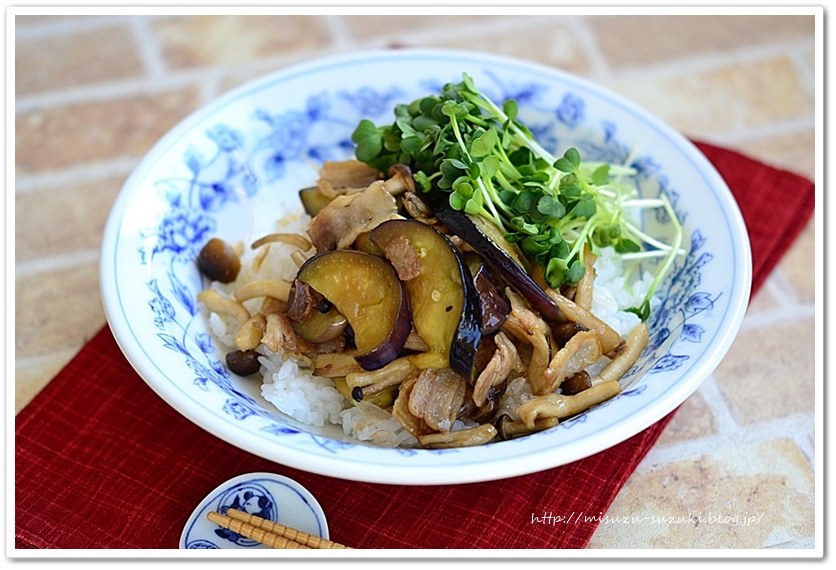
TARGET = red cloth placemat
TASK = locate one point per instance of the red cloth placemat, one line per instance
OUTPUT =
(102, 462)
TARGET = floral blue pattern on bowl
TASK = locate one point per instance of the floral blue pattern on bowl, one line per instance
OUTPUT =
(252, 150)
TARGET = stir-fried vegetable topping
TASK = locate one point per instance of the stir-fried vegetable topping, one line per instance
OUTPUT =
(460, 143)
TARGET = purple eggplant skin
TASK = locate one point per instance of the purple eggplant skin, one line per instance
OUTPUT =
(312, 200)
(465, 344)
(442, 270)
(365, 289)
(495, 305)
(466, 228)
(307, 320)
(391, 349)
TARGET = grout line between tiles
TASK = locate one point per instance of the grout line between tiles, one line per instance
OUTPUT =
(49, 359)
(440, 34)
(209, 87)
(339, 32)
(799, 543)
(804, 441)
(57, 262)
(718, 404)
(107, 91)
(775, 128)
(80, 24)
(782, 289)
(59, 179)
(149, 48)
(777, 317)
(703, 62)
(806, 73)
(588, 40)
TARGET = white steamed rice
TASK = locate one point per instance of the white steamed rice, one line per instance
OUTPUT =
(296, 392)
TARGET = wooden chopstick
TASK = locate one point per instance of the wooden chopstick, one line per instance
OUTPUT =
(267, 532)
(279, 529)
(253, 532)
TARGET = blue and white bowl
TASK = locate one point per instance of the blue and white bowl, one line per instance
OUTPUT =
(237, 164)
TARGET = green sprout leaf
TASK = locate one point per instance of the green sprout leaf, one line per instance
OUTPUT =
(484, 144)
(462, 146)
(569, 162)
(575, 272)
(510, 108)
(601, 175)
(551, 207)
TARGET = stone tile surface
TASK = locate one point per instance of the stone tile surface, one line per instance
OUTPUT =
(32, 377)
(96, 131)
(60, 220)
(694, 419)
(798, 265)
(793, 151)
(34, 20)
(716, 101)
(56, 310)
(395, 27)
(769, 372)
(746, 496)
(73, 60)
(556, 43)
(764, 301)
(194, 41)
(638, 40)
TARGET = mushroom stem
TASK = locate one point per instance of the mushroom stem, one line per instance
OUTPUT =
(478, 435)
(610, 339)
(294, 240)
(276, 288)
(561, 406)
(635, 343)
(390, 375)
(217, 303)
(509, 429)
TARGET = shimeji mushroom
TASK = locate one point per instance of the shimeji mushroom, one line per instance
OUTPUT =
(610, 339)
(467, 437)
(219, 261)
(563, 406)
(215, 302)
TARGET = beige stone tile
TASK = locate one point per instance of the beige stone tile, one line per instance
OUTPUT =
(365, 28)
(693, 419)
(193, 41)
(556, 45)
(795, 152)
(639, 40)
(36, 20)
(798, 264)
(57, 310)
(54, 221)
(763, 379)
(33, 377)
(72, 60)
(94, 131)
(770, 481)
(724, 99)
(234, 77)
(763, 301)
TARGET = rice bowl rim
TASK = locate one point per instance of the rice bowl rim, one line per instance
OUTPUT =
(506, 459)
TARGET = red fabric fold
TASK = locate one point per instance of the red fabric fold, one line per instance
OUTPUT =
(102, 462)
